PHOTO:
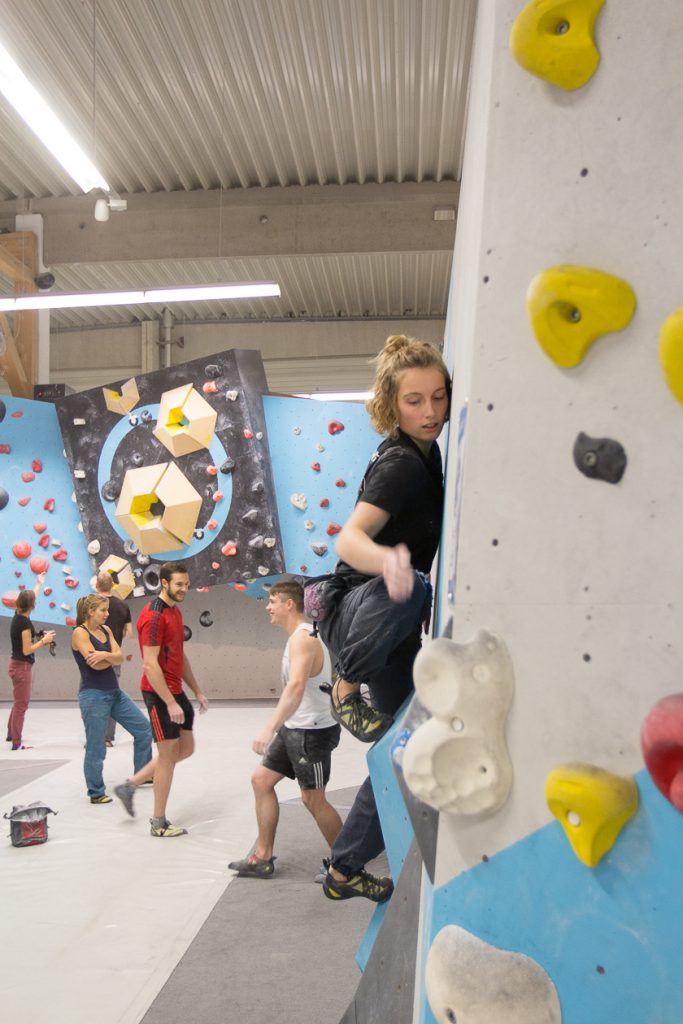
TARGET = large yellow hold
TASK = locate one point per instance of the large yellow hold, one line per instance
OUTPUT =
(671, 352)
(570, 307)
(592, 805)
(554, 39)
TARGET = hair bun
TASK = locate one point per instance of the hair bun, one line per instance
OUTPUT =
(395, 343)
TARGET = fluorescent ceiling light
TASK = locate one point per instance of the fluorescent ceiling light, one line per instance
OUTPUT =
(339, 396)
(30, 105)
(198, 293)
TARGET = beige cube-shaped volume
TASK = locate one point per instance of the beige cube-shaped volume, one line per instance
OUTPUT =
(182, 503)
(121, 574)
(124, 402)
(186, 421)
(155, 530)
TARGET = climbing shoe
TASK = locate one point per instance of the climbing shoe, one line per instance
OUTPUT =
(166, 830)
(251, 867)
(125, 792)
(362, 884)
(101, 799)
(359, 717)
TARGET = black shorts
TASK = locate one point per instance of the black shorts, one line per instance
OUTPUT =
(162, 726)
(303, 754)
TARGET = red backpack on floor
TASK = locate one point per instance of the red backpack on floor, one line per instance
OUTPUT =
(28, 824)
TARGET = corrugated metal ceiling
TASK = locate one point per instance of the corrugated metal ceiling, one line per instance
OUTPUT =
(199, 94)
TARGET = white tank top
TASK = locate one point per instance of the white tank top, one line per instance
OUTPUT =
(314, 710)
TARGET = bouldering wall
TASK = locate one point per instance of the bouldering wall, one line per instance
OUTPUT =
(563, 510)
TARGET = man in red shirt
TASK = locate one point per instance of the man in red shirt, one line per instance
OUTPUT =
(165, 665)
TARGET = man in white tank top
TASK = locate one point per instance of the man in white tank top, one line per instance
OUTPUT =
(298, 738)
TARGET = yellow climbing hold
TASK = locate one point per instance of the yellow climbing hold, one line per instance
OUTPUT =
(592, 805)
(570, 307)
(671, 352)
(554, 40)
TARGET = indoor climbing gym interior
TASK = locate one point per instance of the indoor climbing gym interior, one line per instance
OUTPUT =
(216, 218)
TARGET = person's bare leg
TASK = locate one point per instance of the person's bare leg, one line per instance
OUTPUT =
(263, 781)
(163, 774)
(145, 773)
(326, 817)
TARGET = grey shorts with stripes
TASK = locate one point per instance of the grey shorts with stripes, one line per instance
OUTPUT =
(303, 754)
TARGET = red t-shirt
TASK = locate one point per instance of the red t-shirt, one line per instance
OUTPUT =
(160, 625)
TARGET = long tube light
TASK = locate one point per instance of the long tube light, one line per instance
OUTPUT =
(191, 293)
(41, 119)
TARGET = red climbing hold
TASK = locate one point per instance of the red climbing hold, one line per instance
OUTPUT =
(22, 549)
(661, 740)
(212, 470)
(303, 568)
(23, 502)
(324, 502)
(129, 657)
(71, 583)
(335, 427)
(218, 496)
(210, 388)
(49, 505)
(47, 591)
(52, 604)
(16, 415)
(332, 529)
(212, 524)
(70, 621)
(248, 434)
(28, 477)
(229, 549)
(17, 574)
(40, 527)
(37, 466)
(60, 556)
(315, 466)
(215, 565)
(39, 565)
(9, 599)
(240, 586)
(44, 540)
(5, 449)
(340, 483)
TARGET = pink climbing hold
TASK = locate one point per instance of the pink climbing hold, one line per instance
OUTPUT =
(28, 477)
(60, 555)
(335, 427)
(49, 505)
(47, 591)
(229, 549)
(210, 388)
(37, 466)
(215, 565)
(52, 604)
(315, 466)
(22, 549)
(333, 528)
(5, 449)
(39, 565)
(23, 502)
(71, 583)
(212, 470)
(661, 740)
(218, 496)
(212, 524)
(16, 415)
(324, 502)
(9, 598)
(44, 540)
(40, 527)
(69, 620)
(248, 435)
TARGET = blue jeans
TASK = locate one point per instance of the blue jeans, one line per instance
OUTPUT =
(97, 707)
(374, 641)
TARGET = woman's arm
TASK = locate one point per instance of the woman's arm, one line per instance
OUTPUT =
(80, 641)
(355, 545)
(29, 646)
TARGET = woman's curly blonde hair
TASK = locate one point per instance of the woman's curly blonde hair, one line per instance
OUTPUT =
(399, 353)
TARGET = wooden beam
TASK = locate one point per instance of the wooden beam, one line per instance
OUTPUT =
(18, 258)
(11, 366)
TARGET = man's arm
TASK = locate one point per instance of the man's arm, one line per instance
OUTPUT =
(188, 676)
(153, 671)
(303, 652)
(127, 630)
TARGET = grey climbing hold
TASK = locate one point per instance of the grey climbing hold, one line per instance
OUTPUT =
(256, 542)
(151, 578)
(599, 458)
(4, 497)
(319, 549)
(205, 619)
(228, 465)
(187, 633)
(110, 490)
(250, 515)
(212, 371)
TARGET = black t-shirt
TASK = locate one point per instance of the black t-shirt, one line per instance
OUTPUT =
(119, 615)
(17, 626)
(409, 486)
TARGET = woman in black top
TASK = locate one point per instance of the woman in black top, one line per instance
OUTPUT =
(383, 595)
(20, 668)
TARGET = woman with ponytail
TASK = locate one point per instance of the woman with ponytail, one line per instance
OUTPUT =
(381, 595)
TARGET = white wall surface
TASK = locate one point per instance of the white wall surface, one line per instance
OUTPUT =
(581, 568)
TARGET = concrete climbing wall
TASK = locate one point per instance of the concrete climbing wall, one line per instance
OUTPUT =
(580, 577)
(561, 568)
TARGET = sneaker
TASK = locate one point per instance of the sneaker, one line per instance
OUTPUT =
(322, 871)
(253, 868)
(101, 799)
(359, 717)
(21, 746)
(125, 792)
(166, 831)
(376, 889)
